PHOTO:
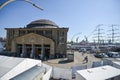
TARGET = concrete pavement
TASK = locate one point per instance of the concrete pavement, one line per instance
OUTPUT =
(78, 61)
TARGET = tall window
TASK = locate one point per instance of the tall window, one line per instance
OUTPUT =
(39, 32)
(61, 33)
(22, 32)
(48, 33)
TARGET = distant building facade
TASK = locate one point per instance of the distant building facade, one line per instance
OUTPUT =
(40, 38)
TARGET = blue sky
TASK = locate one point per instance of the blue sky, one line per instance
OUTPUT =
(79, 15)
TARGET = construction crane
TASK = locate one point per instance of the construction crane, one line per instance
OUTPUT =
(28, 1)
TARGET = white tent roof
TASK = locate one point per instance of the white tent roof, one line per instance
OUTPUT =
(12, 66)
(30, 74)
(7, 63)
(99, 73)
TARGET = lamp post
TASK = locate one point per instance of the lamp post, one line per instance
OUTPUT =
(9, 1)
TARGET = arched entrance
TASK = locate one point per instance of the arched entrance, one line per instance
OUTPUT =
(33, 46)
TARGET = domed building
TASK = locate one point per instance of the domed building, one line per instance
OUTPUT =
(39, 39)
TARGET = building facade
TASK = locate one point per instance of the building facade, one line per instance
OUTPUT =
(40, 38)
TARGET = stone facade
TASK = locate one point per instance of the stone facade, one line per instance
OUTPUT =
(40, 38)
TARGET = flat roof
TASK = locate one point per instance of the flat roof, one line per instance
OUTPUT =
(8, 63)
(30, 74)
(99, 73)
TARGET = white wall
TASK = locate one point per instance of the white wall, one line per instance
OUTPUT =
(116, 64)
(47, 75)
(62, 73)
(97, 64)
(21, 67)
(107, 62)
(79, 77)
(75, 68)
(48, 72)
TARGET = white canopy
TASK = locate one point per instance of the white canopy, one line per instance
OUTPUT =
(99, 73)
(12, 66)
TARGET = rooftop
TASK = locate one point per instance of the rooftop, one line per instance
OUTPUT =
(13, 66)
(7, 63)
(99, 73)
(42, 23)
(30, 74)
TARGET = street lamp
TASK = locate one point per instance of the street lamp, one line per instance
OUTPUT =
(9, 1)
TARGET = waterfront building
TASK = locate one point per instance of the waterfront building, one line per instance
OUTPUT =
(40, 38)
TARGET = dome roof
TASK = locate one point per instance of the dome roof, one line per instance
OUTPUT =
(42, 23)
